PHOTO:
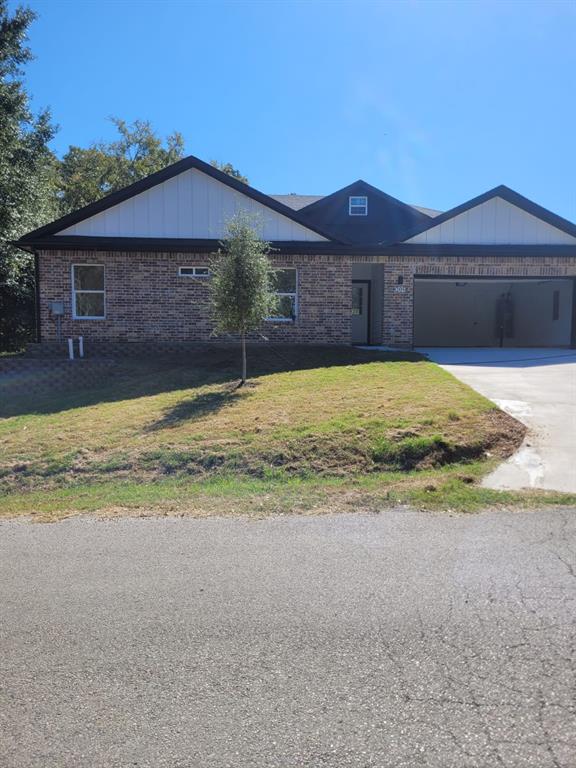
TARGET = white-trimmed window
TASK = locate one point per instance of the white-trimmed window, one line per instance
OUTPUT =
(88, 292)
(194, 271)
(287, 292)
(358, 205)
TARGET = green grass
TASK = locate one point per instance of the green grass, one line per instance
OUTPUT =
(451, 489)
(408, 452)
(314, 426)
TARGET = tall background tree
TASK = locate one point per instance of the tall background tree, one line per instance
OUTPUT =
(27, 176)
(230, 170)
(86, 175)
(37, 187)
(242, 285)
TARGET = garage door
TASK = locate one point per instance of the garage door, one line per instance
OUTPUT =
(492, 312)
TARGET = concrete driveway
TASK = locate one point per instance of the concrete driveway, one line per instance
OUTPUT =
(398, 640)
(538, 387)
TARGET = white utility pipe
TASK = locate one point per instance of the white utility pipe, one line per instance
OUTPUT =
(81, 346)
(71, 349)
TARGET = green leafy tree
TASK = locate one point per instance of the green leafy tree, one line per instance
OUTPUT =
(88, 174)
(27, 174)
(242, 285)
(230, 170)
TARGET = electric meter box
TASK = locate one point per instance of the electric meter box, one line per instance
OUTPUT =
(57, 307)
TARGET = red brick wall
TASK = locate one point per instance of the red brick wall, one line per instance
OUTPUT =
(146, 300)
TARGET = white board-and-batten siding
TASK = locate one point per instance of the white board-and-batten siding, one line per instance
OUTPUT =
(190, 205)
(495, 222)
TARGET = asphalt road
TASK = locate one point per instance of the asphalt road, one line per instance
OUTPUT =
(399, 639)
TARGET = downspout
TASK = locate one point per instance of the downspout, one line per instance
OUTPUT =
(37, 297)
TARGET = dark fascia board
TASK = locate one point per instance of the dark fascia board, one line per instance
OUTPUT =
(157, 178)
(400, 251)
(409, 250)
(511, 197)
(171, 244)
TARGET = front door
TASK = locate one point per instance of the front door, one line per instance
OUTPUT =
(360, 312)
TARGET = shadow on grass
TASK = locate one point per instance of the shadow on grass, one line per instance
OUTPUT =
(194, 408)
(214, 364)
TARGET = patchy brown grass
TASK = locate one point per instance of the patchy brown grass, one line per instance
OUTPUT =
(308, 413)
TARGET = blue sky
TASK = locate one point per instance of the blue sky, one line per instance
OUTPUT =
(433, 102)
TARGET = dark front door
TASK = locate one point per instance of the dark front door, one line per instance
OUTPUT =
(360, 312)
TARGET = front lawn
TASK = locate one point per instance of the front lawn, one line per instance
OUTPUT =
(315, 428)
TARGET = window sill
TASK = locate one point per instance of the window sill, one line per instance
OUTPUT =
(89, 318)
(281, 320)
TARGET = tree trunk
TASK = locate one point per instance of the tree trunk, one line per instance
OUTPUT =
(243, 381)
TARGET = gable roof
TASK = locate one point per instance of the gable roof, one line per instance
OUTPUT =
(187, 163)
(388, 220)
(510, 196)
(389, 224)
(297, 202)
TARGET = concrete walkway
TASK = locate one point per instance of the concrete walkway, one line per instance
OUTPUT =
(538, 387)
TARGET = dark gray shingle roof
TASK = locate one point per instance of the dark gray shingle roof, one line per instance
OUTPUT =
(428, 211)
(297, 201)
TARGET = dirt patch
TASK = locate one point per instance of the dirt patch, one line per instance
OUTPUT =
(505, 433)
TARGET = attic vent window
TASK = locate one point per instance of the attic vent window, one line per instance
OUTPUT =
(358, 206)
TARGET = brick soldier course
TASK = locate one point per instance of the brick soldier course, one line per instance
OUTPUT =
(398, 315)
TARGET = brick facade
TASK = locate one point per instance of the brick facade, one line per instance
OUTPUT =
(147, 300)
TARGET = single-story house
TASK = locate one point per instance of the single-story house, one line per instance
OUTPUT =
(354, 267)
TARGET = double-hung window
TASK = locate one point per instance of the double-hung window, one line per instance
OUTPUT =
(88, 292)
(287, 295)
(358, 205)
